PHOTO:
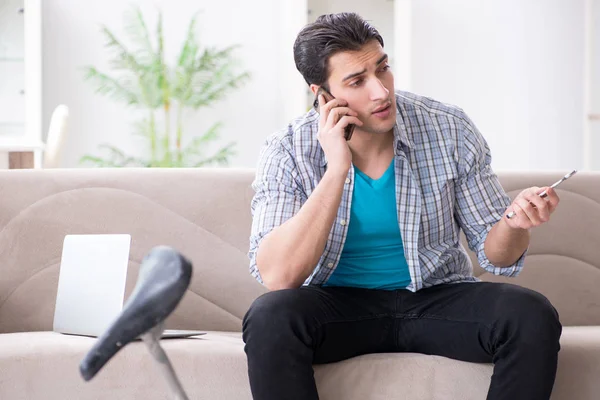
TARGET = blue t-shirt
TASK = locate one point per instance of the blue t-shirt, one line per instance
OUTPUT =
(373, 254)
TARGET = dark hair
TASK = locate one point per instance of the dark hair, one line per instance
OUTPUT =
(330, 34)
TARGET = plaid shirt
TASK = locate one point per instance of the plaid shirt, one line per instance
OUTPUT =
(444, 183)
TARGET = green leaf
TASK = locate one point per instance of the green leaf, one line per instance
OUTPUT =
(189, 50)
(135, 27)
(98, 161)
(209, 136)
(122, 57)
(112, 87)
(221, 157)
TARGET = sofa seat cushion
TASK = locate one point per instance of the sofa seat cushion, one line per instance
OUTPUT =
(44, 365)
(418, 376)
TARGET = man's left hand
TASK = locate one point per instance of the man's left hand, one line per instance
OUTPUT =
(531, 209)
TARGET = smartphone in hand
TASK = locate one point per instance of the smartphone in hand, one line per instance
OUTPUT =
(349, 129)
(544, 193)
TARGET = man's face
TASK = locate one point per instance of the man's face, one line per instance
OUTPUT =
(364, 79)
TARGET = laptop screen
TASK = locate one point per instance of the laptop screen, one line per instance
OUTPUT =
(91, 283)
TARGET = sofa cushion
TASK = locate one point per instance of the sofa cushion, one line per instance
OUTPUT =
(44, 365)
(418, 376)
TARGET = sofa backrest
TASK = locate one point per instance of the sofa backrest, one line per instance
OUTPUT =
(205, 214)
(563, 261)
(202, 213)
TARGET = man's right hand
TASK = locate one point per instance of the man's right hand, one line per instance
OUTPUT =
(335, 116)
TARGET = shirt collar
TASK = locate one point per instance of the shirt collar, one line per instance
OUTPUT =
(400, 129)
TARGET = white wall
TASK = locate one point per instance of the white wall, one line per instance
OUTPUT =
(516, 67)
(593, 85)
(264, 28)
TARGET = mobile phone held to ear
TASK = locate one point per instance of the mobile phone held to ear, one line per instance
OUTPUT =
(349, 129)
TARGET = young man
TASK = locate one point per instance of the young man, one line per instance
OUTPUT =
(359, 240)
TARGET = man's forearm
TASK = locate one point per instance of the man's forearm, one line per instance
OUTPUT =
(290, 252)
(505, 245)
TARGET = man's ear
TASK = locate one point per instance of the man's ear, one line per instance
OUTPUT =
(314, 88)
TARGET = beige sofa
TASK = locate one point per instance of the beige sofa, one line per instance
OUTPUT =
(205, 214)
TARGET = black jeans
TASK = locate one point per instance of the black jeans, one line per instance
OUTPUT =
(287, 331)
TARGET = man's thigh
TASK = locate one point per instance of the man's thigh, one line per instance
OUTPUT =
(341, 322)
(467, 321)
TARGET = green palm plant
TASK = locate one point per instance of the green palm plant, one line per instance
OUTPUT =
(163, 92)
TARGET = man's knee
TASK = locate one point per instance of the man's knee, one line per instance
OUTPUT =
(276, 311)
(530, 314)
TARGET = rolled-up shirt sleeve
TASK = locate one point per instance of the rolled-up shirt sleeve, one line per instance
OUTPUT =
(480, 199)
(277, 198)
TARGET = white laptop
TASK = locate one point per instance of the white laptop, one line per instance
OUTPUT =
(91, 285)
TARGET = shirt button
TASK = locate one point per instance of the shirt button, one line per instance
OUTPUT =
(343, 222)
(347, 180)
(330, 265)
